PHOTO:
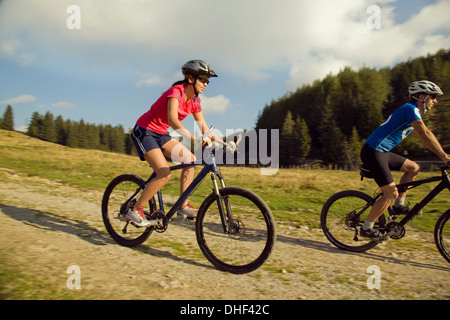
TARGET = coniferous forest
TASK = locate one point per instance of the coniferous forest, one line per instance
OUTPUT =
(341, 111)
(74, 134)
(328, 120)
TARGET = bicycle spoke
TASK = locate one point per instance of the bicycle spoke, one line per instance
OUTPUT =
(114, 208)
(342, 217)
(248, 239)
(442, 235)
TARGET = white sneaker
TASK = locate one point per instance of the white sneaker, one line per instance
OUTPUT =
(138, 218)
(187, 212)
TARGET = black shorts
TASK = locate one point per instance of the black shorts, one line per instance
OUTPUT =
(146, 140)
(381, 164)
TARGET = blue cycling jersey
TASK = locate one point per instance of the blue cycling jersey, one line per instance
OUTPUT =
(396, 128)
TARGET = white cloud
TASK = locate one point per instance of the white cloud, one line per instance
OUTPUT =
(250, 38)
(24, 98)
(14, 50)
(255, 77)
(311, 68)
(65, 105)
(148, 81)
(218, 104)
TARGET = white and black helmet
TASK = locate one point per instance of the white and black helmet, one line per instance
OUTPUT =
(424, 86)
(198, 67)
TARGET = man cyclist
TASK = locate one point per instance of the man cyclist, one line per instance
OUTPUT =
(376, 155)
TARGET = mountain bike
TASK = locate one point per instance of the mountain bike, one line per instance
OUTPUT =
(343, 215)
(234, 227)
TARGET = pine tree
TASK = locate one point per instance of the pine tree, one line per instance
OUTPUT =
(35, 125)
(92, 136)
(353, 149)
(83, 141)
(48, 128)
(72, 134)
(345, 100)
(61, 131)
(332, 140)
(129, 145)
(302, 139)
(369, 112)
(7, 122)
(287, 141)
(118, 139)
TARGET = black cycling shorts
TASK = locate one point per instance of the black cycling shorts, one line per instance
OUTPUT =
(146, 140)
(381, 164)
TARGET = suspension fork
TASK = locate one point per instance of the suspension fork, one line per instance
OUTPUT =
(222, 202)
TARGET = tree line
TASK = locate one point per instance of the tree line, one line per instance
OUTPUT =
(330, 119)
(74, 134)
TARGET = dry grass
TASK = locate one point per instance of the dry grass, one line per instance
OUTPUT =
(294, 195)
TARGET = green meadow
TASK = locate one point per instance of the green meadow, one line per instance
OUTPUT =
(295, 196)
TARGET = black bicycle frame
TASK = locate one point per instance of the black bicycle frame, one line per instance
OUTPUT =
(445, 183)
(433, 193)
(209, 166)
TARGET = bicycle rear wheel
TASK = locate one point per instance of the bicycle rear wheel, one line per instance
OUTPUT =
(442, 235)
(251, 235)
(342, 216)
(114, 209)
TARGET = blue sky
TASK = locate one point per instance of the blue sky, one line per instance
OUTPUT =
(127, 52)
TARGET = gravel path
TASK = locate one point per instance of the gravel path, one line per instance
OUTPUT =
(46, 227)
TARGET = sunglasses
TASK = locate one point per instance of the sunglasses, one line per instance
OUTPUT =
(203, 80)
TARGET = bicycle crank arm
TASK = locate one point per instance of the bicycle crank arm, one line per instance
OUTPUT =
(386, 236)
(153, 223)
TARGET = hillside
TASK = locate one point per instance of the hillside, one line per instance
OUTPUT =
(50, 220)
(342, 110)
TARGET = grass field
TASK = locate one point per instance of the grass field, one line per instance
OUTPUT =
(295, 196)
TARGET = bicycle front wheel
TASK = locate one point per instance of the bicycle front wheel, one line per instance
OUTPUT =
(342, 216)
(245, 240)
(115, 207)
(442, 235)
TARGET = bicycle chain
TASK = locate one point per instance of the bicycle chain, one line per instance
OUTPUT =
(158, 214)
(398, 230)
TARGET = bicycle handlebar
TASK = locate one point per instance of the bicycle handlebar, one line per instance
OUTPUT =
(227, 147)
(216, 146)
(206, 134)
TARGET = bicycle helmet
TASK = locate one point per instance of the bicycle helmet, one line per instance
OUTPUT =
(426, 87)
(198, 67)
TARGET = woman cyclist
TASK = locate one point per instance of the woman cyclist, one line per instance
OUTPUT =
(377, 157)
(153, 142)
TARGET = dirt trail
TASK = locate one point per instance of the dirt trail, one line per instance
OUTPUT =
(45, 227)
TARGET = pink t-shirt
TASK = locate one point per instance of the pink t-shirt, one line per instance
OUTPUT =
(156, 119)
